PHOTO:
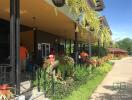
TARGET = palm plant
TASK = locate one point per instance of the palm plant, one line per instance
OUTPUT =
(105, 35)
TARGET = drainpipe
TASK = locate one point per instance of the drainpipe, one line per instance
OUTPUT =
(18, 72)
(12, 40)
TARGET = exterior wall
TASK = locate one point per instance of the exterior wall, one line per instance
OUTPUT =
(27, 38)
(44, 37)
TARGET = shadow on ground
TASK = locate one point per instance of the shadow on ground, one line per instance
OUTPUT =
(123, 94)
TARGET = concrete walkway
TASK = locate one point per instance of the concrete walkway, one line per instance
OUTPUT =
(117, 85)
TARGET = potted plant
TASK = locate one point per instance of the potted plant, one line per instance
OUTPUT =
(58, 3)
(5, 93)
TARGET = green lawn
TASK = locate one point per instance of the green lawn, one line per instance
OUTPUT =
(84, 91)
(80, 86)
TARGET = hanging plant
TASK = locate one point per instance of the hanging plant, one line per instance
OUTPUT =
(91, 29)
(105, 35)
(58, 3)
(81, 8)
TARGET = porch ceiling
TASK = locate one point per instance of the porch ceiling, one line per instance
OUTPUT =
(46, 19)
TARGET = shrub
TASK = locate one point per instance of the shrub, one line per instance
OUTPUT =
(66, 66)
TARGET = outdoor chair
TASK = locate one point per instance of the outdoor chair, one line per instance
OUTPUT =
(5, 73)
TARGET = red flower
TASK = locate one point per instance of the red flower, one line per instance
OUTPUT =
(83, 54)
(52, 59)
(4, 87)
(5, 90)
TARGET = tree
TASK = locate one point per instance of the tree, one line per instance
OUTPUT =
(125, 44)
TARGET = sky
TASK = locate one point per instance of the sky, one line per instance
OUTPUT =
(119, 17)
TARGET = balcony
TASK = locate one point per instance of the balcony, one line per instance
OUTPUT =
(97, 5)
(104, 22)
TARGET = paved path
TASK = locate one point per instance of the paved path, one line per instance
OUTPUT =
(120, 75)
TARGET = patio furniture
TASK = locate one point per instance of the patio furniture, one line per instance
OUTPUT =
(5, 71)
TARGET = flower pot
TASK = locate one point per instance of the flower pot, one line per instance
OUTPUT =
(91, 29)
(58, 3)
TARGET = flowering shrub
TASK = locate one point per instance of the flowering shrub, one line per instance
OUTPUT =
(66, 60)
(66, 66)
(104, 59)
(49, 65)
(92, 62)
(83, 56)
(46, 63)
(98, 62)
(5, 93)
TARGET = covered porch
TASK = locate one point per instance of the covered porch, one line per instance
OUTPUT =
(44, 26)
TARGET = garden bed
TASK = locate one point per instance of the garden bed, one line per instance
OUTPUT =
(80, 86)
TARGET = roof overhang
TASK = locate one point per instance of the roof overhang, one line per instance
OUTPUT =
(46, 18)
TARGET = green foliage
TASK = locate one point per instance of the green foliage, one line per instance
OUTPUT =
(84, 80)
(105, 36)
(82, 73)
(81, 8)
(83, 84)
(85, 90)
(103, 51)
(125, 44)
(66, 66)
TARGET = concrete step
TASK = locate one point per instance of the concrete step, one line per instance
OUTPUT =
(35, 95)
(25, 86)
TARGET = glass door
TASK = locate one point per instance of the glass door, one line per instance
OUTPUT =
(45, 49)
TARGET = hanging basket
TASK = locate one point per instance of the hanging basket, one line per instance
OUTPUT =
(91, 29)
(58, 3)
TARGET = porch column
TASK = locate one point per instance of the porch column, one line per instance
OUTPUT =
(12, 40)
(70, 47)
(80, 46)
(65, 46)
(83, 47)
(35, 42)
(18, 72)
(89, 46)
(76, 47)
(98, 48)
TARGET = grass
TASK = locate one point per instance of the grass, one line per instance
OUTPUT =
(85, 91)
(80, 86)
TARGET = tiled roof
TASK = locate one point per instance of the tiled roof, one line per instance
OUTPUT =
(117, 50)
